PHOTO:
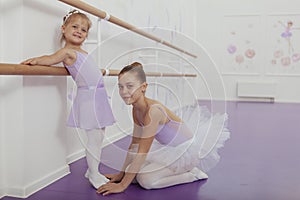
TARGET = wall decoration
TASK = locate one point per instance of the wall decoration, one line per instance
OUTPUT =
(283, 50)
(241, 44)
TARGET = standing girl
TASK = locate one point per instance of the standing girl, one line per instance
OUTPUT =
(163, 150)
(90, 110)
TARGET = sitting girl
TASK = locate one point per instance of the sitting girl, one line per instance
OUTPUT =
(163, 150)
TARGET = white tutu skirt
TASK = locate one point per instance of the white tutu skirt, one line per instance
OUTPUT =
(210, 134)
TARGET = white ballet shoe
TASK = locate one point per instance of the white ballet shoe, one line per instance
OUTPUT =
(96, 180)
(86, 175)
(199, 174)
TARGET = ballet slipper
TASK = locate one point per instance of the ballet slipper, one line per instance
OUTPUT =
(199, 174)
(97, 180)
(87, 174)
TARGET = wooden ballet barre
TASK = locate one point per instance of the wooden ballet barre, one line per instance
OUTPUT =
(19, 69)
(157, 74)
(40, 70)
(103, 15)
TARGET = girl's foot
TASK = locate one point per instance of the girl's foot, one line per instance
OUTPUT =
(96, 179)
(86, 175)
(199, 174)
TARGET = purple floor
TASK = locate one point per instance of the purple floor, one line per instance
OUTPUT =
(261, 161)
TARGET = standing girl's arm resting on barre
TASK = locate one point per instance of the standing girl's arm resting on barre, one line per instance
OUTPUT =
(62, 55)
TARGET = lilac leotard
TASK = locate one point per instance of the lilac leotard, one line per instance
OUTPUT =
(90, 109)
(172, 133)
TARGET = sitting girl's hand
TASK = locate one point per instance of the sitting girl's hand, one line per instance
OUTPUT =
(114, 177)
(110, 188)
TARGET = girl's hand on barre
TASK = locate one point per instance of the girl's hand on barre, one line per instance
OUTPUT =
(30, 61)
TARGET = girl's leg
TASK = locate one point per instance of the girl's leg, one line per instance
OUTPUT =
(93, 154)
(165, 177)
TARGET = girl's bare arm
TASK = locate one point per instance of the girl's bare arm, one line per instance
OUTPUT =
(145, 142)
(62, 55)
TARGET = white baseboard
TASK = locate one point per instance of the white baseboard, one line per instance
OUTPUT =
(24, 192)
(76, 156)
(2, 193)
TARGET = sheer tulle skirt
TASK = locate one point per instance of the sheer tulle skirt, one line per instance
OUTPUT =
(210, 133)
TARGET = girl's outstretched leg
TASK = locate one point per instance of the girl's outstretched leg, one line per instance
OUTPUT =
(93, 154)
(165, 177)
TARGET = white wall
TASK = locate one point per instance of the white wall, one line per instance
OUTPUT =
(2, 181)
(11, 125)
(2, 169)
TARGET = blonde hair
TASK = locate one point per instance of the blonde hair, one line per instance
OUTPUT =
(71, 15)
